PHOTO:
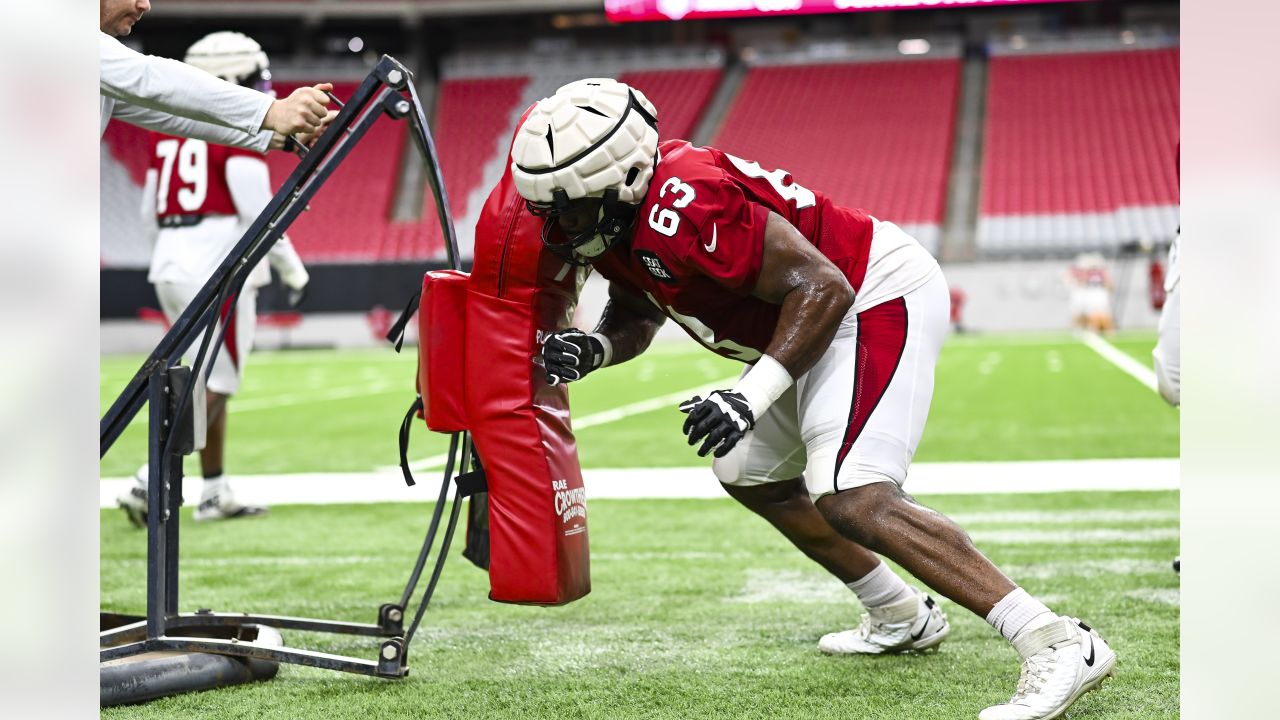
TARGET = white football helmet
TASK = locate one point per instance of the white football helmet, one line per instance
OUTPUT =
(593, 139)
(232, 56)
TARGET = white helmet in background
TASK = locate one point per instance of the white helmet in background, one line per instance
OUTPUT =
(232, 56)
(595, 138)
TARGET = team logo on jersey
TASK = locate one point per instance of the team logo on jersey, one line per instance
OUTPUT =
(656, 268)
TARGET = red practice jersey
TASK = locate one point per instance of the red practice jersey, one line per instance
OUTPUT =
(192, 176)
(699, 240)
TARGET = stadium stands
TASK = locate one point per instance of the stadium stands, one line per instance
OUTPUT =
(1077, 147)
(473, 118)
(1079, 151)
(680, 95)
(890, 125)
(478, 111)
(349, 219)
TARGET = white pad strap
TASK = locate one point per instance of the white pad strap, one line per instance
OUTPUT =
(763, 384)
(1030, 642)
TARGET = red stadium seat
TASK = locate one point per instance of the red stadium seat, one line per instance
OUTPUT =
(473, 119)
(873, 135)
(681, 96)
(1079, 149)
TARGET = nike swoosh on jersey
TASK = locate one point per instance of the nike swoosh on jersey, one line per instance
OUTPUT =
(712, 246)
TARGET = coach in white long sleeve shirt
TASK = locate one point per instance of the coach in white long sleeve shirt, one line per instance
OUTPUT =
(174, 98)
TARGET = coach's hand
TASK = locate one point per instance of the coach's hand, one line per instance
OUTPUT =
(722, 418)
(570, 354)
(303, 112)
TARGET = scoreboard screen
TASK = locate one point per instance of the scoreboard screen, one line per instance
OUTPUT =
(639, 10)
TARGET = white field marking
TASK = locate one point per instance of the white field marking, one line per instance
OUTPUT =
(1086, 569)
(1068, 537)
(342, 357)
(1121, 360)
(600, 418)
(699, 482)
(1161, 596)
(282, 561)
(1054, 359)
(989, 363)
(312, 396)
(680, 555)
(790, 586)
(1067, 517)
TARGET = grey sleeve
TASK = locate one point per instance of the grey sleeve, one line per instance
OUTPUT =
(182, 127)
(169, 86)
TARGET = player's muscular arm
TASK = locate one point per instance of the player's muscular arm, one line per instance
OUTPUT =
(813, 293)
(625, 330)
(629, 322)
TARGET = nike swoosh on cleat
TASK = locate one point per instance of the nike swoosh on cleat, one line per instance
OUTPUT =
(1089, 660)
(712, 246)
(917, 636)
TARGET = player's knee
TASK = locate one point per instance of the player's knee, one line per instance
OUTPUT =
(1167, 380)
(731, 469)
(865, 513)
(761, 497)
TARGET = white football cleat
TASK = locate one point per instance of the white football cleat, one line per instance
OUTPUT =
(913, 624)
(220, 503)
(134, 502)
(1062, 661)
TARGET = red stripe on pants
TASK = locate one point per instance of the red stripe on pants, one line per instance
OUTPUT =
(882, 338)
(228, 308)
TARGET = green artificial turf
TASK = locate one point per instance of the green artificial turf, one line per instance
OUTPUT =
(1004, 397)
(698, 610)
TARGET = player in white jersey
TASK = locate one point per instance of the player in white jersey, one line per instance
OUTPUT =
(168, 96)
(1090, 287)
(204, 197)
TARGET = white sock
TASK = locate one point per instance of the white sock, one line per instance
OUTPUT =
(880, 587)
(1018, 611)
(212, 486)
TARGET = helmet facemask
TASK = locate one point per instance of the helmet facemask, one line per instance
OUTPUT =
(607, 219)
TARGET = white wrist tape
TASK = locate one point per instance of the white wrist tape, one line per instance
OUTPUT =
(608, 349)
(763, 384)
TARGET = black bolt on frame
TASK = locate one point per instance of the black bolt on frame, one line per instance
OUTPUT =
(176, 397)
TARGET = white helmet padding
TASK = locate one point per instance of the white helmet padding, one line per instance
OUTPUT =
(232, 56)
(593, 135)
(595, 138)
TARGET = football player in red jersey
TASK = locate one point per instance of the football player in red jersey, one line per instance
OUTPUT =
(203, 197)
(839, 317)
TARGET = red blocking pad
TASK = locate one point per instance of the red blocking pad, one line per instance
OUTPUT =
(518, 292)
(442, 329)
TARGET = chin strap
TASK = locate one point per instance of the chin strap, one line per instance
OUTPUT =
(616, 218)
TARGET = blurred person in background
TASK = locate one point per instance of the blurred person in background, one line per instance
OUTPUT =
(168, 96)
(1089, 285)
(1167, 352)
(203, 198)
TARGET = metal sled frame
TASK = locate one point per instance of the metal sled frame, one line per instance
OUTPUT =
(167, 387)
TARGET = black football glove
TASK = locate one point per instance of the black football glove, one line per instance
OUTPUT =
(722, 418)
(568, 355)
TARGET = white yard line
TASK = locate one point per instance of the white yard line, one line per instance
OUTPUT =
(698, 482)
(600, 418)
(311, 396)
(1121, 360)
